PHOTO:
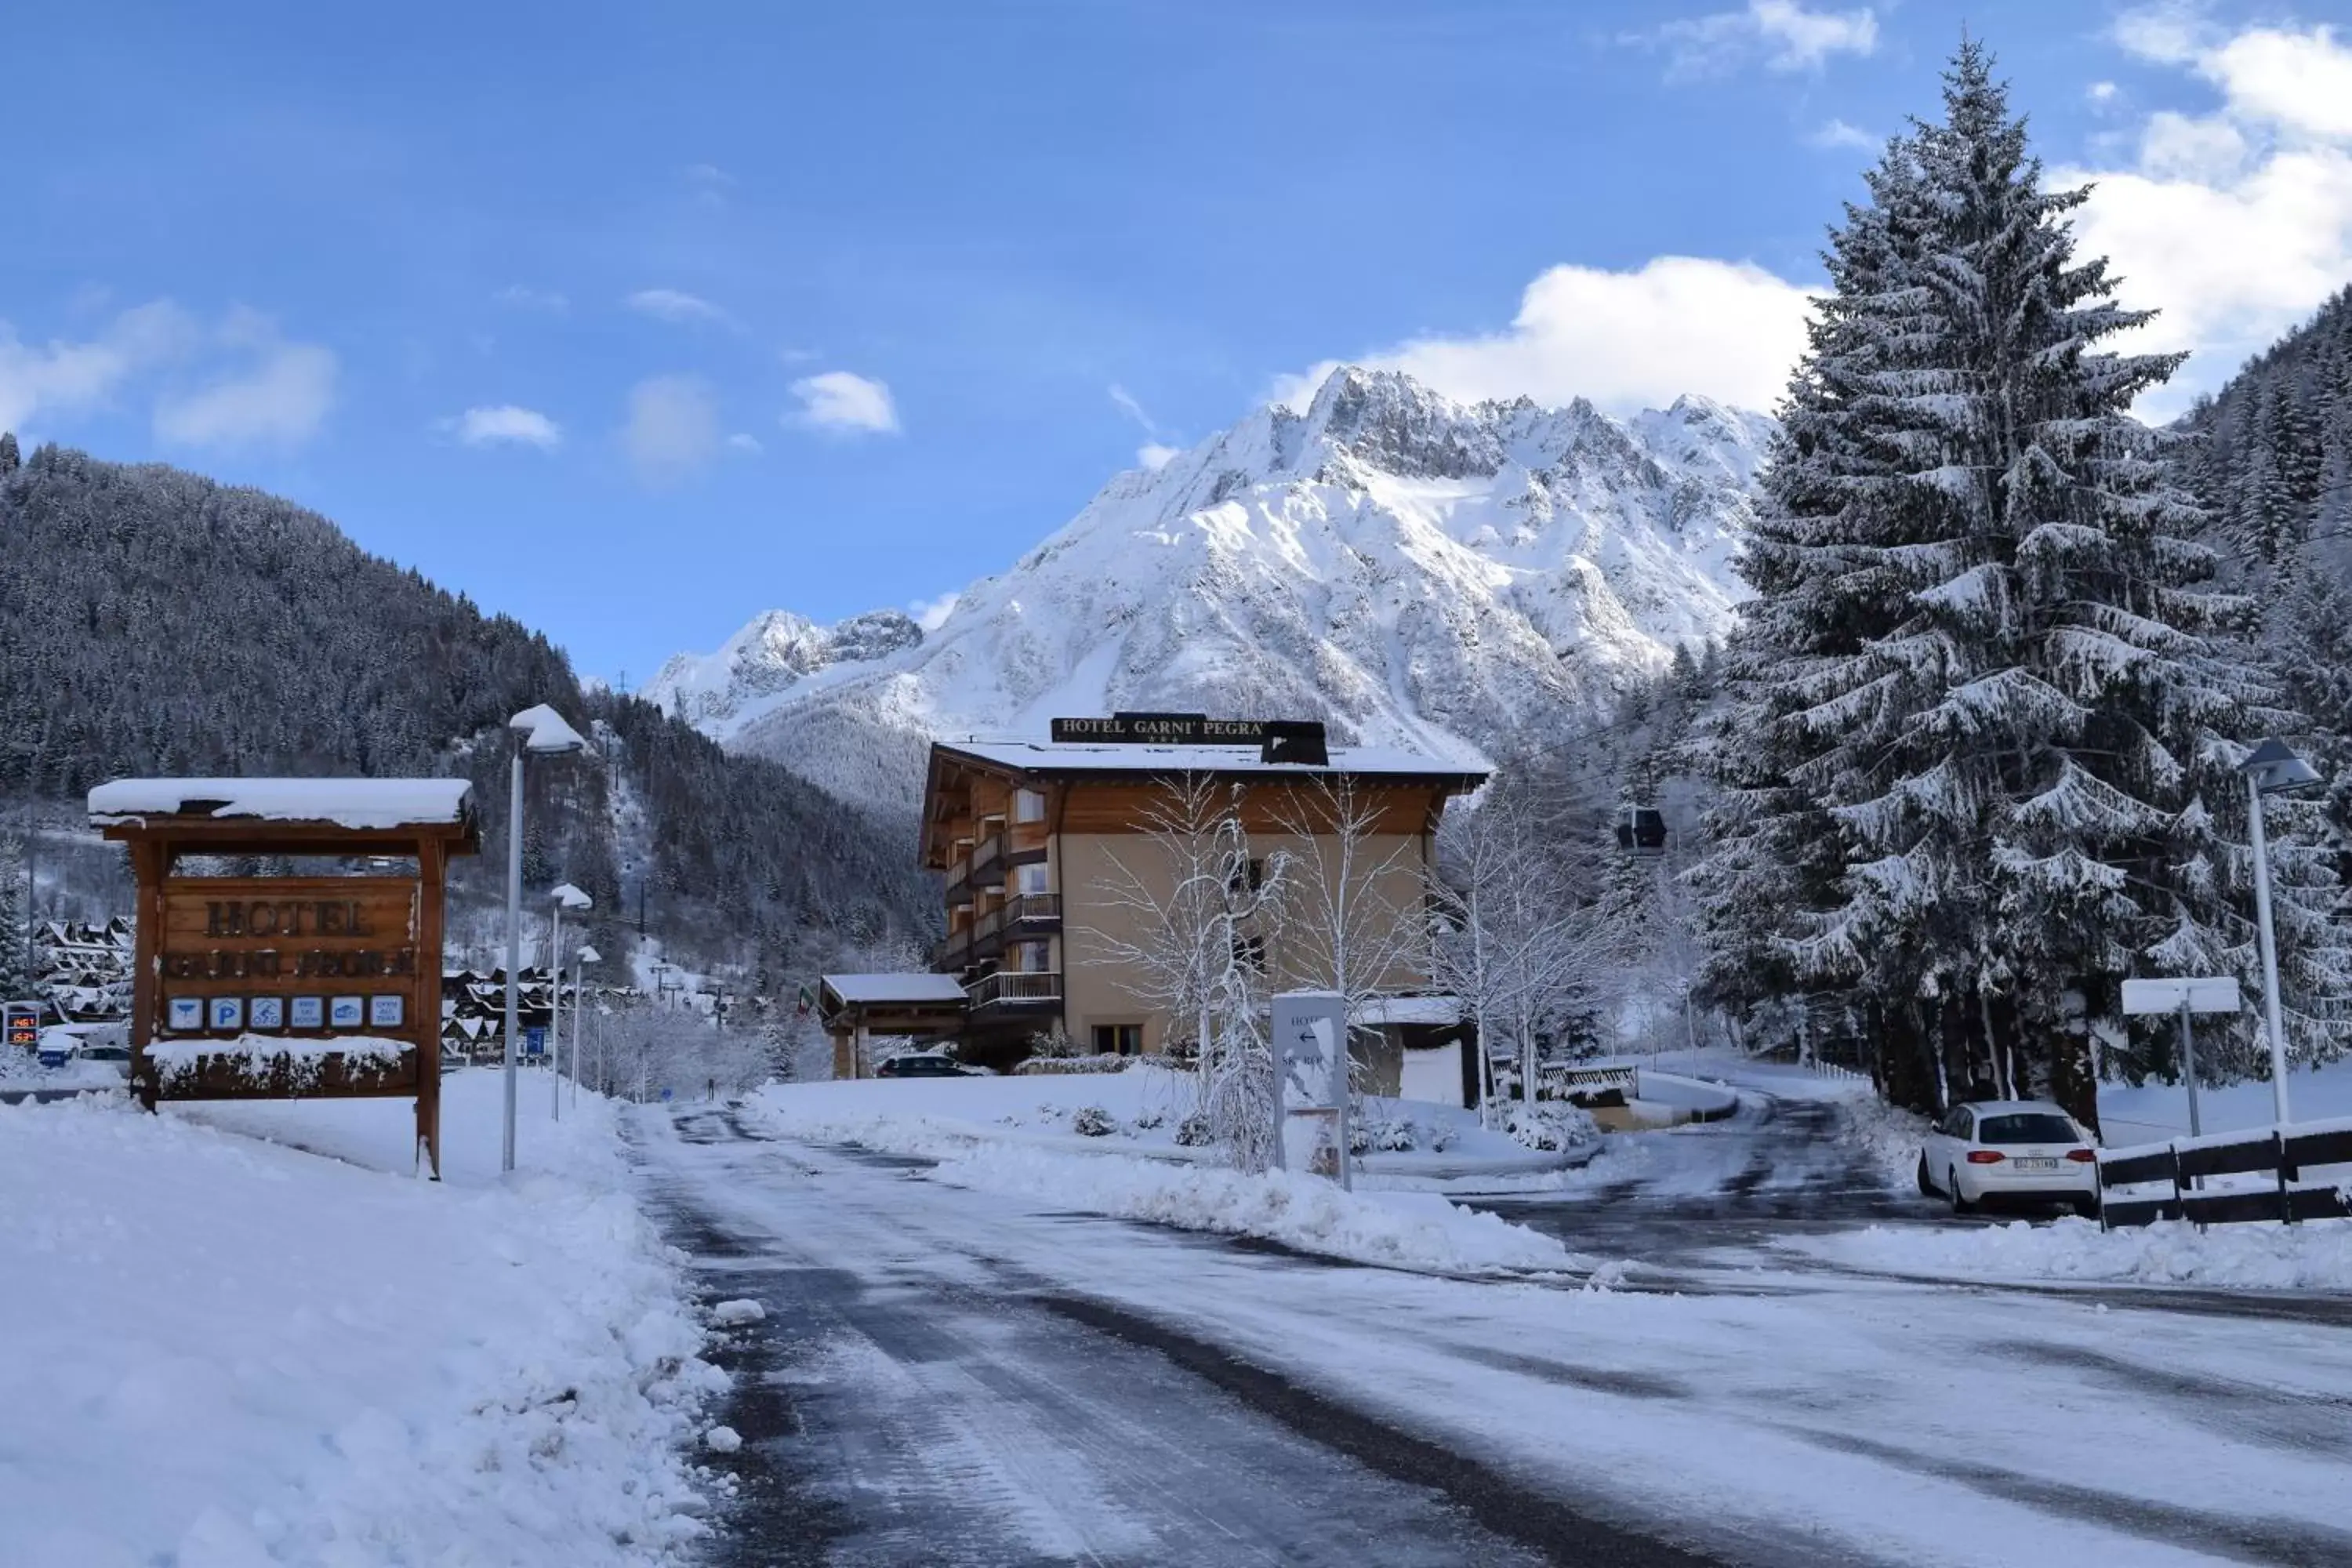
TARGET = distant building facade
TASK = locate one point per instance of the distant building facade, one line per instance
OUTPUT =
(1051, 857)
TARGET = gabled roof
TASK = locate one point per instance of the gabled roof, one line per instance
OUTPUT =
(920, 989)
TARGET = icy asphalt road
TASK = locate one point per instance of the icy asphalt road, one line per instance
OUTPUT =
(948, 1376)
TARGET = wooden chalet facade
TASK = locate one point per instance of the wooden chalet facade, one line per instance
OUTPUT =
(1041, 847)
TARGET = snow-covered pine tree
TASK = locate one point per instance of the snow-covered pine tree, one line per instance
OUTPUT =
(2030, 768)
(1775, 860)
(15, 978)
(10, 459)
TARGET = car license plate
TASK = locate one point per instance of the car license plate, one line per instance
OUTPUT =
(2037, 1164)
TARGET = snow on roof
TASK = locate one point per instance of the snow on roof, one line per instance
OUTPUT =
(1409, 1010)
(1040, 756)
(871, 988)
(347, 803)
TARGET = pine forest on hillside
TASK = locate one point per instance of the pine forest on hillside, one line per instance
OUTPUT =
(161, 624)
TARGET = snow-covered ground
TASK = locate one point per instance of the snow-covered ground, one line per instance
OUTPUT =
(1754, 1410)
(2158, 1112)
(1142, 1108)
(1017, 1135)
(220, 1352)
(2314, 1256)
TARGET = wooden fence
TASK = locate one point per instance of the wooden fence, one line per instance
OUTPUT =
(2184, 1164)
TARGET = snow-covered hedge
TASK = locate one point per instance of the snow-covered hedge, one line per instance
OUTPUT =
(1108, 1062)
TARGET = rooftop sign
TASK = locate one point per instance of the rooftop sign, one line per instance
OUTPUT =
(1161, 730)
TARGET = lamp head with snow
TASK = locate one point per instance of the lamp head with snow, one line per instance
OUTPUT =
(570, 898)
(589, 955)
(2276, 769)
(545, 732)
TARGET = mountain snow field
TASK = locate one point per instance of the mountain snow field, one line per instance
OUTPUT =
(1415, 571)
(225, 1353)
(1019, 1135)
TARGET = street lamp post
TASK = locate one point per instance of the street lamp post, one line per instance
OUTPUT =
(539, 732)
(2271, 768)
(566, 897)
(580, 962)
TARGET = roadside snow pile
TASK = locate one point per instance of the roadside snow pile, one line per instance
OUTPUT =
(1891, 1136)
(1406, 1230)
(1146, 1110)
(2254, 1257)
(225, 1353)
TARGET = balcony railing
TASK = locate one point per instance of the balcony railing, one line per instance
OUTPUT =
(958, 889)
(1006, 988)
(953, 951)
(988, 861)
(988, 925)
(1033, 911)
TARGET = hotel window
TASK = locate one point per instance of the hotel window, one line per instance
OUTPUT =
(1030, 879)
(1029, 957)
(1028, 805)
(1118, 1039)
(1249, 874)
(1249, 951)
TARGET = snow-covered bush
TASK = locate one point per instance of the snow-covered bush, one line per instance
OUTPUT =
(1194, 1132)
(1105, 1063)
(1093, 1121)
(1550, 1125)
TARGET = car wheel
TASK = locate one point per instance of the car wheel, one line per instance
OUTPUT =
(2087, 1208)
(1960, 1206)
(1927, 1185)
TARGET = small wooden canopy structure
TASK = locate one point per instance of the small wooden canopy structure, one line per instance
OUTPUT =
(274, 987)
(855, 1007)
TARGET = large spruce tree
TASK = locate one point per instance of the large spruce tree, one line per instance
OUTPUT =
(1990, 714)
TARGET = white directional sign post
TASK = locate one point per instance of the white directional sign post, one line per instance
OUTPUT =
(2213, 994)
(1310, 1082)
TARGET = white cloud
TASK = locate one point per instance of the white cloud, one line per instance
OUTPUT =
(708, 182)
(743, 441)
(506, 425)
(675, 305)
(672, 431)
(1786, 35)
(1838, 133)
(838, 401)
(1730, 330)
(932, 614)
(61, 378)
(2101, 93)
(1152, 454)
(1156, 453)
(280, 397)
(2236, 224)
(523, 297)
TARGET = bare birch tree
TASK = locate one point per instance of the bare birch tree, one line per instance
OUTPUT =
(1202, 912)
(1507, 944)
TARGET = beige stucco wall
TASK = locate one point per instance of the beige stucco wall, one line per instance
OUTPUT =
(1098, 989)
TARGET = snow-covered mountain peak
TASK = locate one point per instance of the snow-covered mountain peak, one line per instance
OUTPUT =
(774, 652)
(1411, 569)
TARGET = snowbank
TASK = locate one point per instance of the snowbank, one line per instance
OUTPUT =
(1140, 1111)
(1407, 1230)
(1017, 1135)
(226, 1354)
(2256, 1257)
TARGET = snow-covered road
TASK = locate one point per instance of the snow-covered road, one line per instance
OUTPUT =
(950, 1375)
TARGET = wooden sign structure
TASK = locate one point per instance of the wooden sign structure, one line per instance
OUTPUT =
(283, 988)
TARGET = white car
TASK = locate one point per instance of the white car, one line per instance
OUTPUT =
(2019, 1150)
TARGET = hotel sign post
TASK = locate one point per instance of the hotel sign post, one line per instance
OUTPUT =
(314, 986)
(1310, 1082)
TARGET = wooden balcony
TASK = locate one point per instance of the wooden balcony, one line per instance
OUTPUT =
(988, 934)
(1009, 992)
(986, 867)
(952, 950)
(1029, 914)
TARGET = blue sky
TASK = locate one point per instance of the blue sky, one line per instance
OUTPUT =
(635, 320)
